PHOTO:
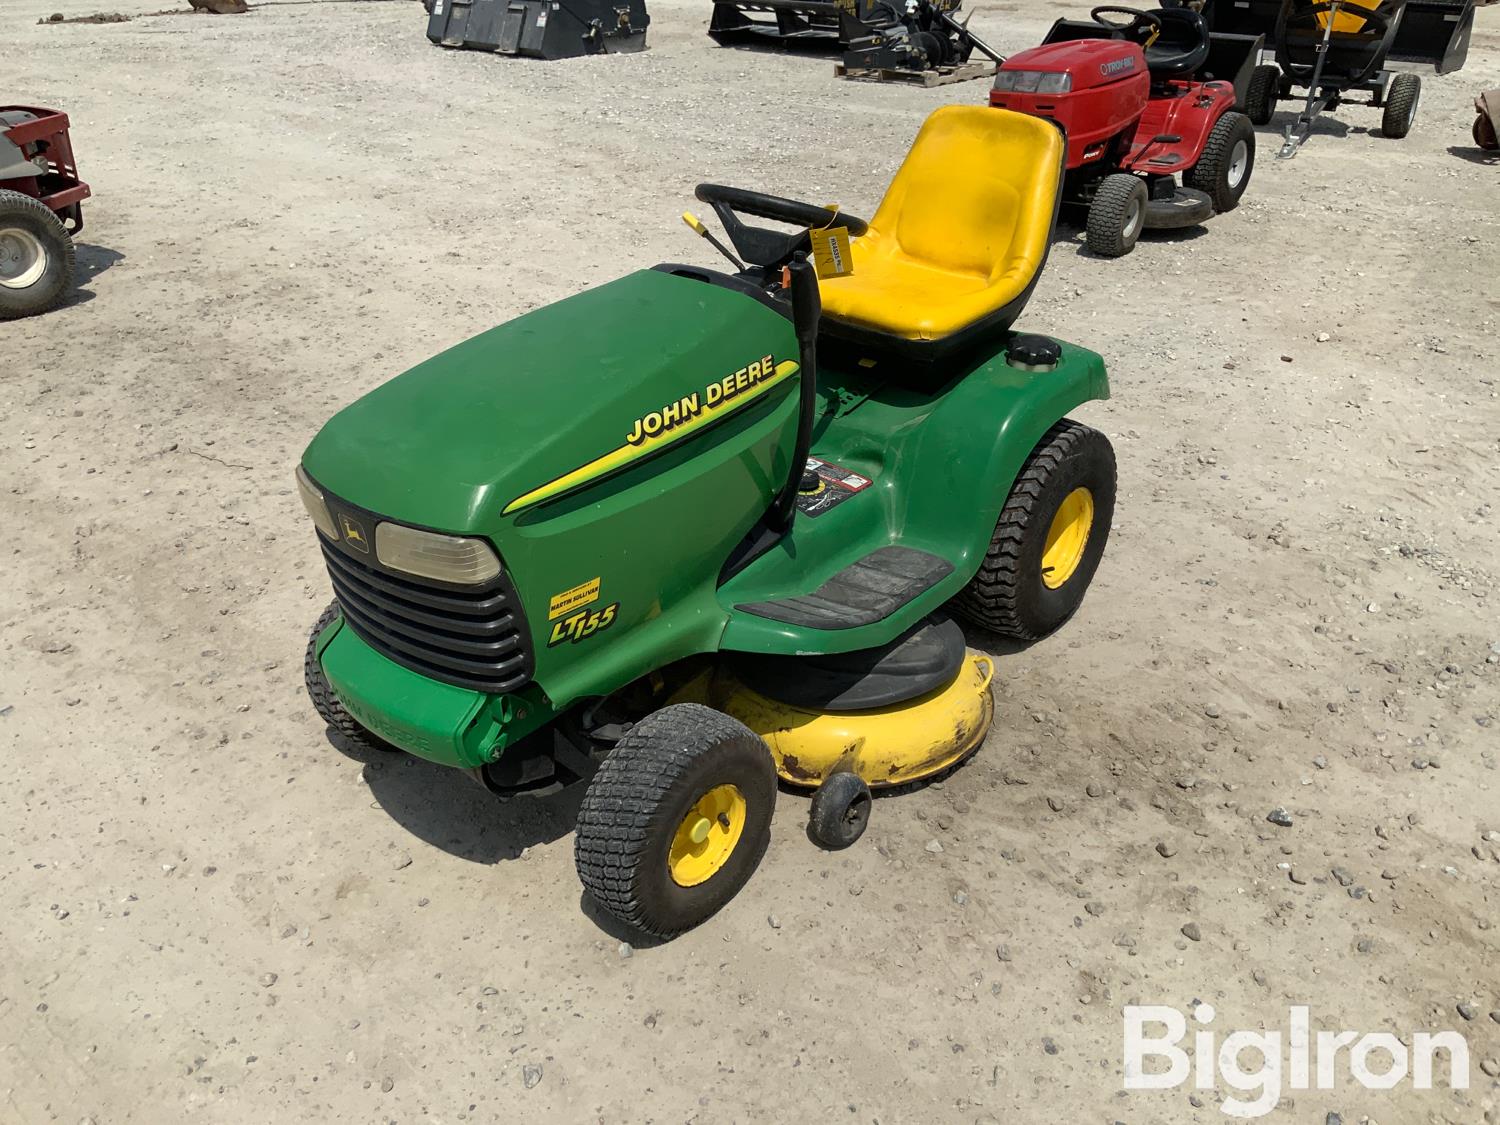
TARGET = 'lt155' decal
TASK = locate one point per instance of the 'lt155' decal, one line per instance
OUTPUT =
(583, 624)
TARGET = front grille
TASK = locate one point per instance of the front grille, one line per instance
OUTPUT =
(474, 637)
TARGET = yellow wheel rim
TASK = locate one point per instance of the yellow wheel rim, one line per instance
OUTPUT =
(707, 836)
(1067, 538)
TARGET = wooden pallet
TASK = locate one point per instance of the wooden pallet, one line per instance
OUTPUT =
(942, 76)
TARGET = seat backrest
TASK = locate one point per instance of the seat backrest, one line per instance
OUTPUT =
(1182, 45)
(977, 194)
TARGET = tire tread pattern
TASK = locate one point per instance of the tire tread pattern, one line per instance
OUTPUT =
(15, 204)
(1211, 174)
(1396, 121)
(992, 597)
(1105, 232)
(616, 818)
(324, 701)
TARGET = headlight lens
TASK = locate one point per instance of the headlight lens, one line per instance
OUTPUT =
(1033, 82)
(317, 507)
(445, 558)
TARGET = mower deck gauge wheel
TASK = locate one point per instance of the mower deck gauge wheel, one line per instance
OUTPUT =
(840, 811)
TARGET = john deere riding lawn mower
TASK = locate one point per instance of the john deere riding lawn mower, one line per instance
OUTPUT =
(688, 531)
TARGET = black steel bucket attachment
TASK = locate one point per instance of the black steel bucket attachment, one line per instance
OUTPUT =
(1435, 33)
(540, 29)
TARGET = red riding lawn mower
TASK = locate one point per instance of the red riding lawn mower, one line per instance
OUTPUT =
(41, 209)
(1142, 97)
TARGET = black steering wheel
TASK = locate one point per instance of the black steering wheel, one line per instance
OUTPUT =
(1142, 27)
(771, 248)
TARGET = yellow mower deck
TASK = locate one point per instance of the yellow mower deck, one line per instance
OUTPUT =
(885, 747)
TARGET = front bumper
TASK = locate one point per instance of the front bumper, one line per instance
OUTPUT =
(443, 723)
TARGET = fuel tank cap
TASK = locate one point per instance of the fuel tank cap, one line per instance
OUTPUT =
(1033, 353)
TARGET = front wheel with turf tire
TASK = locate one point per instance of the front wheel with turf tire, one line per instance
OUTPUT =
(1117, 215)
(676, 820)
(1224, 167)
(325, 702)
(840, 811)
(1049, 538)
(1262, 94)
(36, 257)
(1401, 105)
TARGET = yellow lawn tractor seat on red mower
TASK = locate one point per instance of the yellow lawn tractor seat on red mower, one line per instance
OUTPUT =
(958, 242)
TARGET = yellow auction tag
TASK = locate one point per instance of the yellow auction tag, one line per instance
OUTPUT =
(831, 256)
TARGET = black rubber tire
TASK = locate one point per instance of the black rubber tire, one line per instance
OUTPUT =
(25, 214)
(1262, 94)
(1211, 175)
(1119, 196)
(642, 793)
(329, 709)
(1401, 105)
(1009, 596)
(840, 811)
(1484, 134)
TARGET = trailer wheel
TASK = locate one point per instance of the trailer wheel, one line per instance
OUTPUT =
(1262, 94)
(676, 819)
(1223, 170)
(1117, 215)
(36, 257)
(1401, 105)
(325, 702)
(1049, 538)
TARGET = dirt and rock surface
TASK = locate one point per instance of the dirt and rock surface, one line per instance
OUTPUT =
(211, 914)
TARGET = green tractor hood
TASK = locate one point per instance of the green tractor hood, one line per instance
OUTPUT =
(458, 440)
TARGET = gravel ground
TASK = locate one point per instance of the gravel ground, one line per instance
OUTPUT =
(211, 914)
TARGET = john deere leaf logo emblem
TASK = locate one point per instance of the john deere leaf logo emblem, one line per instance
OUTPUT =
(354, 535)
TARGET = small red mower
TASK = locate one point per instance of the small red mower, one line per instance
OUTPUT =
(1142, 97)
(41, 209)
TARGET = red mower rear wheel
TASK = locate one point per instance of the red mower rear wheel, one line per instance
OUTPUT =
(1223, 170)
(36, 257)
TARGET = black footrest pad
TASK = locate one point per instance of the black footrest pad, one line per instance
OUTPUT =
(863, 593)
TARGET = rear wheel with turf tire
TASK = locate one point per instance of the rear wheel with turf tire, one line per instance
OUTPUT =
(840, 811)
(1049, 538)
(1262, 94)
(36, 257)
(676, 819)
(329, 709)
(1224, 167)
(1401, 100)
(1117, 215)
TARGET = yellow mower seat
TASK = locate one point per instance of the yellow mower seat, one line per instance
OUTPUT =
(962, 232)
